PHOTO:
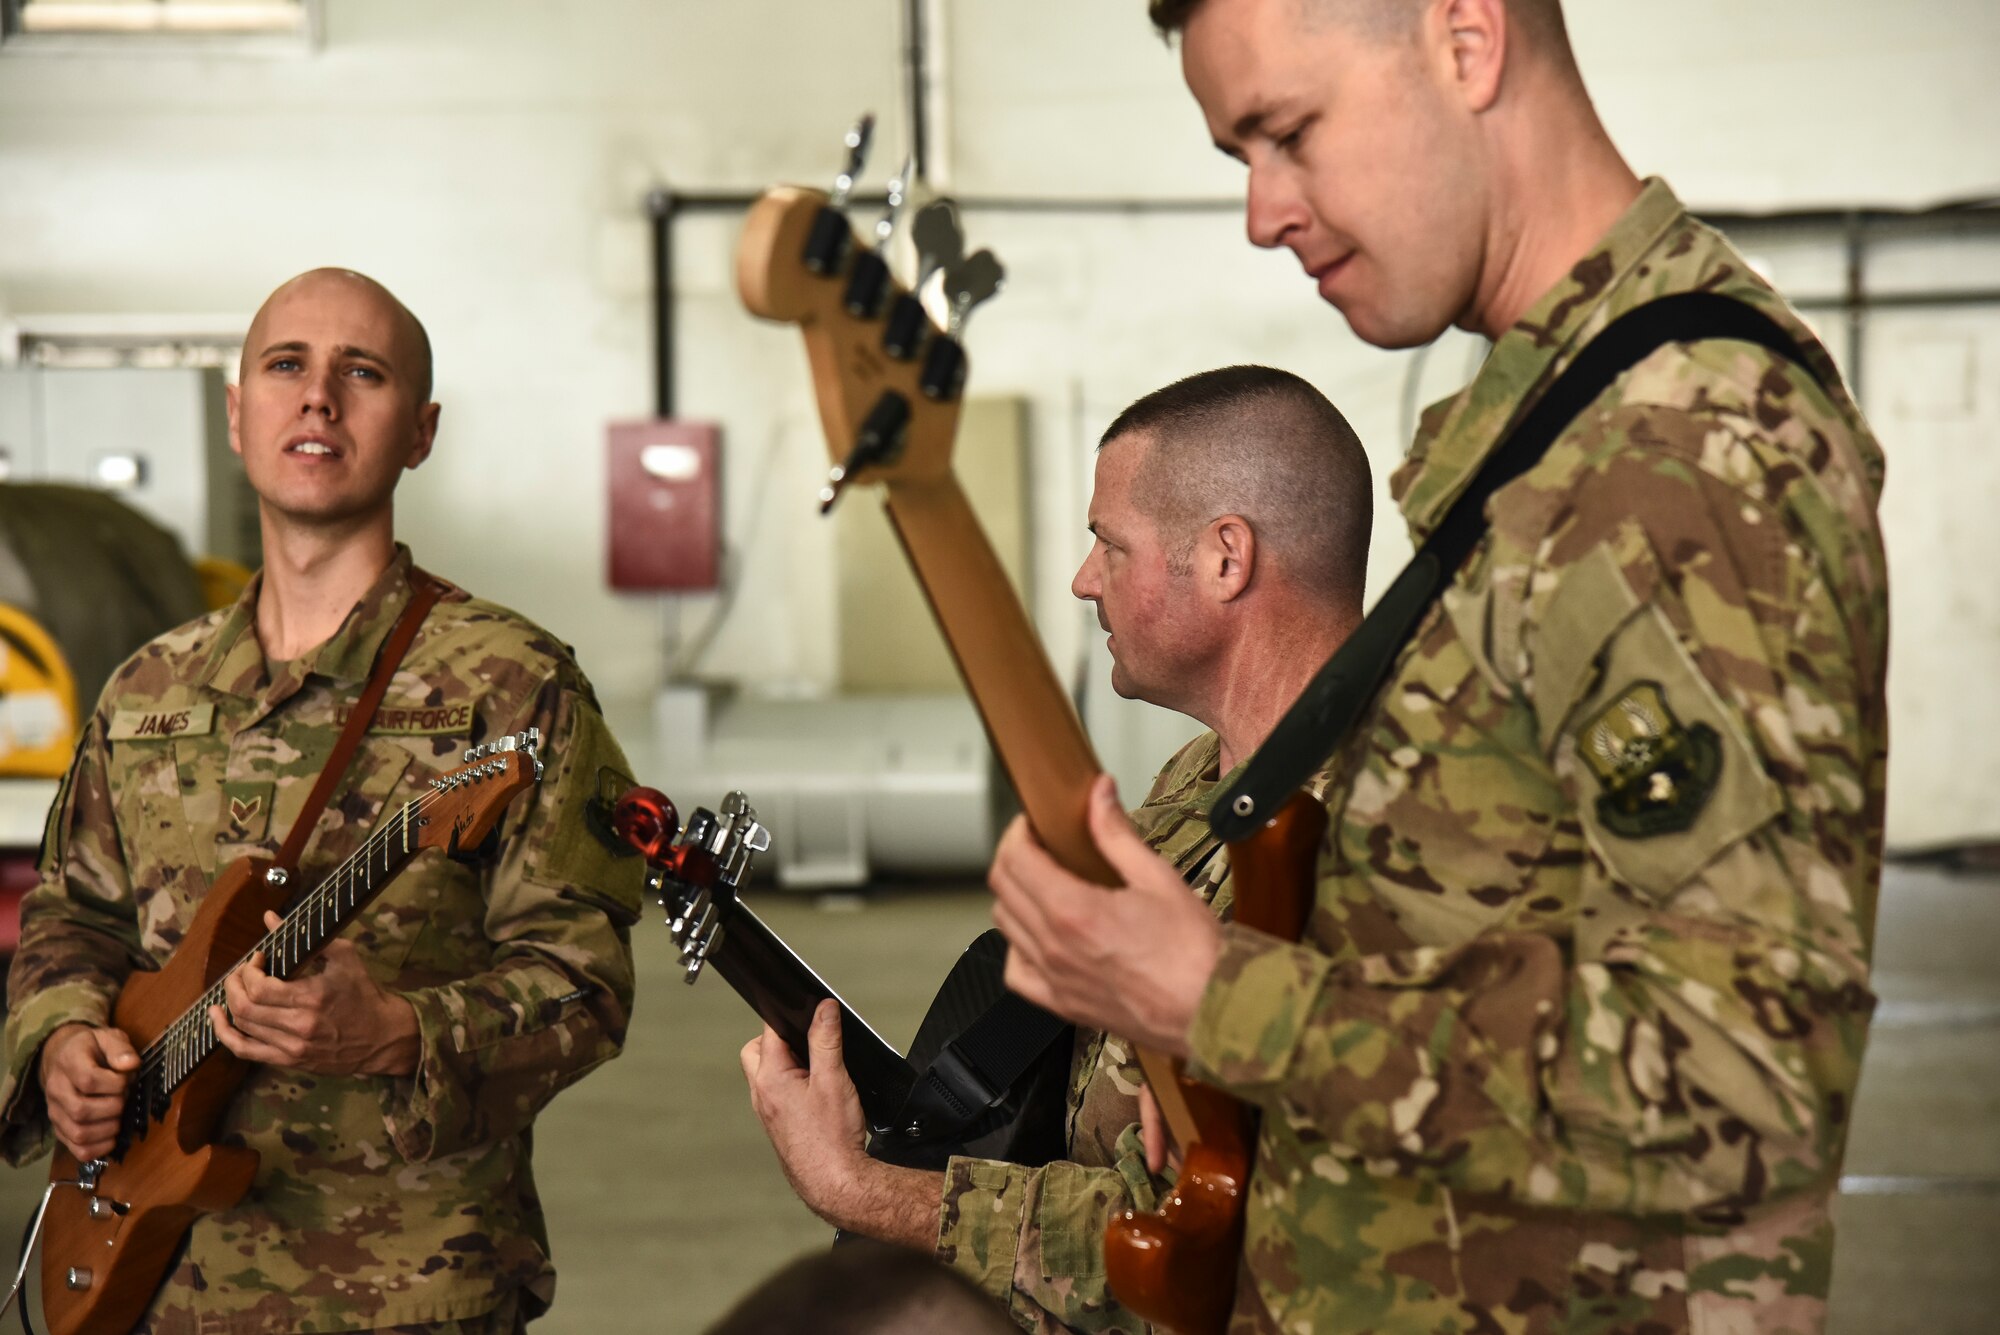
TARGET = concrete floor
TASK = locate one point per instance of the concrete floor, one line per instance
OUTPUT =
(665, 1202)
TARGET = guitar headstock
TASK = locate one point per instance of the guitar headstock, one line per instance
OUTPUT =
(462, 806)
(694, 872)
(887, 378)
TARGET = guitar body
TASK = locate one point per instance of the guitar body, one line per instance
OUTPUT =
(1177, 1266)
(172, 1173)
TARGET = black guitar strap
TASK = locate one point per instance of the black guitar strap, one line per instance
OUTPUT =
(1339, 696)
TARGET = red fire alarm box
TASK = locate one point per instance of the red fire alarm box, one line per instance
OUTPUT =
(666, 504)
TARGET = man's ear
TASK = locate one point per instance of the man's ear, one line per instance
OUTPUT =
(1228, 556)
(1473, 37)
(232, 396)
(427, 426)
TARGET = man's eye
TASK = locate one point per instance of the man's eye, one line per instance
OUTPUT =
(285, 364)
(1291, 139)
(364, 372)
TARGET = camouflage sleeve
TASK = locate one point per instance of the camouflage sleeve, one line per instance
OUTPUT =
(554, 1001)
(1033, 1238)
(79, 940)
(1687, 1032)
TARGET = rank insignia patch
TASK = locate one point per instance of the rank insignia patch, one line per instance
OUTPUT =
(246, 810)
(1656, 774)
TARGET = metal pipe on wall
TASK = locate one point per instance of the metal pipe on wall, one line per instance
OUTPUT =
(1859, 226)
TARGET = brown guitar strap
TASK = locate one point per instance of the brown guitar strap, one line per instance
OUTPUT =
(425, 590)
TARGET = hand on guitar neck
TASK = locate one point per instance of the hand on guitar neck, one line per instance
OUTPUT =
(814, 1120)
(333, 1019)
(1132, 959)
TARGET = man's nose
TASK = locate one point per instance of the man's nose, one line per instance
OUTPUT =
(320, 396)
(1271, 209)
(1084, 584)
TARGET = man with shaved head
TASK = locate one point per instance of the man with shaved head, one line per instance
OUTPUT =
(393, 1083)
(1229, 527)
(1572, 1037)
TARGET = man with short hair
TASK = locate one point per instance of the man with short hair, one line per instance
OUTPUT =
(1573, 1037)
(394, 1083)
(1230, 520)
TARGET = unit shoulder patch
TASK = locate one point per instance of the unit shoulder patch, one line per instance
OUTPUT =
(1655, 773)
(149, 724)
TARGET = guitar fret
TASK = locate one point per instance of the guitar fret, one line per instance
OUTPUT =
(190, 1038)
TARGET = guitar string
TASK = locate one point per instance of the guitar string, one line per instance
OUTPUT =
(171, 1050)
(186, 1042)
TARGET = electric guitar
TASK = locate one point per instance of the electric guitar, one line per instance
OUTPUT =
(888, 383)
(112, 1226)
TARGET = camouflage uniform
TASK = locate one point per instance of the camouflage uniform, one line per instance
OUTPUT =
(378, 1201)
(1034, 1237)
(1574, 1037)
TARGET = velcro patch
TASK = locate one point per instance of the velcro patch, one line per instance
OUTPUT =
(146, 724)
(1654, 774)
(419, 720)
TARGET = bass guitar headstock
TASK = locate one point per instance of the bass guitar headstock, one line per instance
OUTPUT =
(888, 378)
(462, 806)
(694, 872)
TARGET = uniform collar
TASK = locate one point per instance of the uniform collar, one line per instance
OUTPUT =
(238, 667)
(1454, 436)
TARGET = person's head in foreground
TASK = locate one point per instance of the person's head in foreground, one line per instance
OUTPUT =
(864, 1288)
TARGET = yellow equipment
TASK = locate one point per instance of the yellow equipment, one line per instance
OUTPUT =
(38, 718)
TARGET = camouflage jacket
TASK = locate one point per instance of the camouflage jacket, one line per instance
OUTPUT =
(377, 1201)
(1034, 1237)
(1573, 1039)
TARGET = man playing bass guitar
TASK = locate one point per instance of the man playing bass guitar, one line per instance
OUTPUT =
(1230, 523)
(394, 1087)
(1573, 1034)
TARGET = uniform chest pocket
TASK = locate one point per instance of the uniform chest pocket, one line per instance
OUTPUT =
(162, 860)
(1450, 804)
(363, 806)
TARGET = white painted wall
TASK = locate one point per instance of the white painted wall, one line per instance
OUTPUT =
(487, 161)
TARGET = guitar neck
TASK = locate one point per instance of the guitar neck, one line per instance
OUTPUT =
(1035, 730)
(1033, 727)
(305, 931)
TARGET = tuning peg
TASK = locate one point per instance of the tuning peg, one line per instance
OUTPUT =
(856, 139)
(940, 243)
(826, 244)
(869, 278)
(966, 284)
(885, 227)
(879, 441)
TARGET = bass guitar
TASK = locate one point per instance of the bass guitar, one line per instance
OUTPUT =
(888, 381)
(111, 1227)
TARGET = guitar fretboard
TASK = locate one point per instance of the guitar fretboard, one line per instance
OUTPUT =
(172, 1057)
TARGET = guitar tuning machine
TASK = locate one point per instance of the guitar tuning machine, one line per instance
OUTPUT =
(940, 244)
(868, 280)
(826, 244)
(880, 441)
